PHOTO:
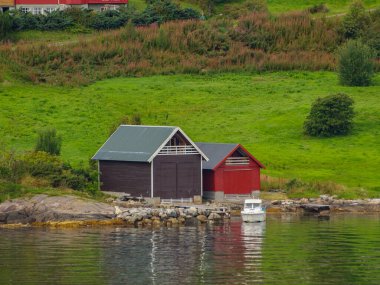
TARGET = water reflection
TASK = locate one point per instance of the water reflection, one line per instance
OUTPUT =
(287, 250)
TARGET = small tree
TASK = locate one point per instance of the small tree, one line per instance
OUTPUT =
(48, 141)
(355, 64)
(330, 116)
(356, 21)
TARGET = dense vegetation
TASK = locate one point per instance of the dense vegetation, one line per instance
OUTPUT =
(80, 20)
(257, 41)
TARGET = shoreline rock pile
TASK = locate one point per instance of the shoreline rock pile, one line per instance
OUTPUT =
(167, 216)
(325, 204)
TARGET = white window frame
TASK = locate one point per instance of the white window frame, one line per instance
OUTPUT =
(37, 10)
(49, 9)
(25, 9)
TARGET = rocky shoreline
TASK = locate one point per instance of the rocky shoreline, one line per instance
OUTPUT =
(70, 211)
(324, 205)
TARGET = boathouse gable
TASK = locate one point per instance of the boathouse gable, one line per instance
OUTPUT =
(231, 170)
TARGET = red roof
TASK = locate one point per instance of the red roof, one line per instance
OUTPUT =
(69, 2)
(219, 152)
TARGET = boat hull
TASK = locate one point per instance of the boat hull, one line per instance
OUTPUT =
(253, 217)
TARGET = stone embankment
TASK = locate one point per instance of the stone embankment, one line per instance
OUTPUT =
(70, 211)
(73, 211)
(324, 205)
(168, 215)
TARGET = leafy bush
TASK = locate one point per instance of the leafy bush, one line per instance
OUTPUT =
(355, 64)
(42, 164)
(356, 21)
(41, 169)
(330, 116)
(48, 141)
(160, 11)
(56, 20)
(108, 20)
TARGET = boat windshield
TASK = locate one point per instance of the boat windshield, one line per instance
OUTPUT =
(251, 205)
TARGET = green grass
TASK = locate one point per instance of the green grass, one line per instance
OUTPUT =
(53, 37)
(335, 6)
(264, 112)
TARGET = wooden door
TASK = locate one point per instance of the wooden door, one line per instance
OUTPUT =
(168, 180)
(237, 181)
(185, 180)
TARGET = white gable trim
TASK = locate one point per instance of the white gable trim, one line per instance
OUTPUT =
(194, 145)
(177, 129)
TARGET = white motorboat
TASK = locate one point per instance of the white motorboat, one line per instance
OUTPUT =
(253, 211)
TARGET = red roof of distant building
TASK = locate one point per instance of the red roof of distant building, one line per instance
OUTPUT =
(69, 2)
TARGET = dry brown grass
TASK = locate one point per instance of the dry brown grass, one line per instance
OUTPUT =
(255, 42)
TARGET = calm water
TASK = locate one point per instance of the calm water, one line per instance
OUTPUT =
(284, 250)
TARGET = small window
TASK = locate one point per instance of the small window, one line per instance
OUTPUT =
(36, 10)
(25, 9)
(49, 9)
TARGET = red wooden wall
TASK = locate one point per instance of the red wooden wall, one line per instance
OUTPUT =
(237, 179)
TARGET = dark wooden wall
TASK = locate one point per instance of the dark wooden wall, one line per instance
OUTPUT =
(130, 177)
(177, 176)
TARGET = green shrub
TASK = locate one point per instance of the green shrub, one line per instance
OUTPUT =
(48, 141)
(42, 164)
(160, 11)
(6, 23)
(41, 169)
(56, 20)
(356, 22)
(108, 20)
(330, 116)
(355, 64)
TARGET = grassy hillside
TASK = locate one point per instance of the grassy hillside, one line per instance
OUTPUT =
(264, 112)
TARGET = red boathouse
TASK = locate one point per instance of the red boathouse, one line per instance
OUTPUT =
(231, 170)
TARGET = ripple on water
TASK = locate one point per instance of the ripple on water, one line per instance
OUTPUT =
(284, 250)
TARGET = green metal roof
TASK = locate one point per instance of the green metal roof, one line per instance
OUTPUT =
(134, 143)
(138, 143)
